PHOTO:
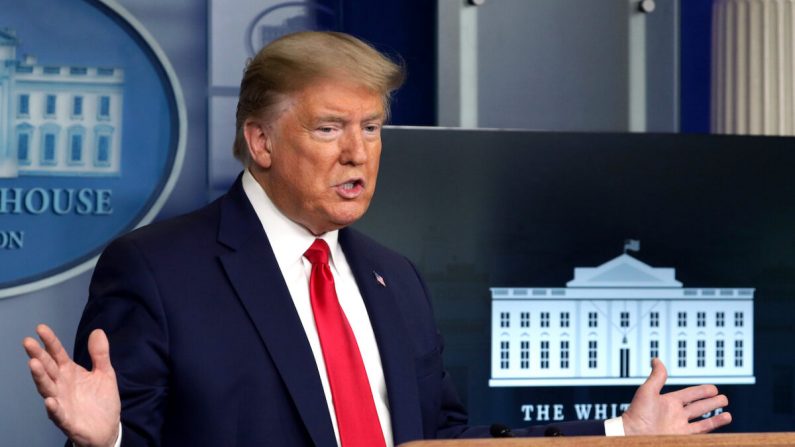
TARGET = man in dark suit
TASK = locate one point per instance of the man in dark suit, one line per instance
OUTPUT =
(219, 320)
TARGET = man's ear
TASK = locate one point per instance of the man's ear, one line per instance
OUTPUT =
(258, 136)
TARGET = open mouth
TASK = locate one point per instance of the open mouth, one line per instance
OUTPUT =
(350, 189)
(351, 185)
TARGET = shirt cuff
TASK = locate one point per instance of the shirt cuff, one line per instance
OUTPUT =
(614, 427)
(118, 440)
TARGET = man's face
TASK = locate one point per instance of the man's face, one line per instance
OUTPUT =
(320, 159)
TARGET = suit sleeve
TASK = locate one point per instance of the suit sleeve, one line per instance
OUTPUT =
(453, 420)
(124, 302)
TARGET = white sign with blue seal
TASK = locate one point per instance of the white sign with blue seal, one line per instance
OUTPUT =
(92, 136)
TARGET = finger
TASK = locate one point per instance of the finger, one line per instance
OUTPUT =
(31, 346)
(694, 393)
(55, 411)
(52, 344)
(658, 376)
(44, 383)
(35, 351)
(99, 350)
(709, 424)
(704, 406)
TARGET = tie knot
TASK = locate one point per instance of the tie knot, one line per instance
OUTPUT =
(318, 252)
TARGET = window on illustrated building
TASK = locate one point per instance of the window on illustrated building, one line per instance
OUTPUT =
(24, 135)
(49, 106)
(682, 354)
(738, 353)
(564, 354)
(505, 319)
(75, 142)
(564, 319)
(593, 319)
(49, 141)
(544, 354)
(504, 354)
(102, 155)
(77, 106)
(624, 319)
(23, 106)
(103, 108)
(544, 319)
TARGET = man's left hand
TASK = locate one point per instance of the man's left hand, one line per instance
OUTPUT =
(652, 413)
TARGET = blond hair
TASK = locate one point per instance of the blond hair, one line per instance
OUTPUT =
(292, 62)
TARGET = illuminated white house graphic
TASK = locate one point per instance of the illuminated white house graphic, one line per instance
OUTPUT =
(57, 120)
(610, 320)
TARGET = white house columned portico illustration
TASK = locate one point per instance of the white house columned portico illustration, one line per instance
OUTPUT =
(604, 327)
(57, 120)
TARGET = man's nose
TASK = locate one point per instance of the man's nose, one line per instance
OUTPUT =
(354, 149)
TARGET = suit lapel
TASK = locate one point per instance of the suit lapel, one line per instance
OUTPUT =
(391, 335)
(252, 269)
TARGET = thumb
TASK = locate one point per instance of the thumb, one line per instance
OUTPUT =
(658, 376)
(99, 350)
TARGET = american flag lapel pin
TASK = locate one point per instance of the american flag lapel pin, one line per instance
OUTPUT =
(379, 279)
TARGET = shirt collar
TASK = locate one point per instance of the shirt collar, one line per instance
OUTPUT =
(288, 239)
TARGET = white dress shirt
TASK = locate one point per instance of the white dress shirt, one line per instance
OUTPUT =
(289, 241)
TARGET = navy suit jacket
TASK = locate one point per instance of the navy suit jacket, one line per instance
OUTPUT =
(209, 350)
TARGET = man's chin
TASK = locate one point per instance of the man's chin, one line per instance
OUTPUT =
(334, 222)
(344, 219)
(339, 224)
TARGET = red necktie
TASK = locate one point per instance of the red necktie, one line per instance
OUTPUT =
(357, 419)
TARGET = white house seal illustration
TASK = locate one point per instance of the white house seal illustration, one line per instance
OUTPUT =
(92, 135)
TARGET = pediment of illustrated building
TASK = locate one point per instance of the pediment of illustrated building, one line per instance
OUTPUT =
(624, 271)
(7, 37)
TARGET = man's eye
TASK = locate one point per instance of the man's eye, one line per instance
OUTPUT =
(326, 129)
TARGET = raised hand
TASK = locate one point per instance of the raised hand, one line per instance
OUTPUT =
(84, 404)
(652, 413)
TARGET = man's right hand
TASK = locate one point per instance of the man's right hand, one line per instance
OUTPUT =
(84, 404)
